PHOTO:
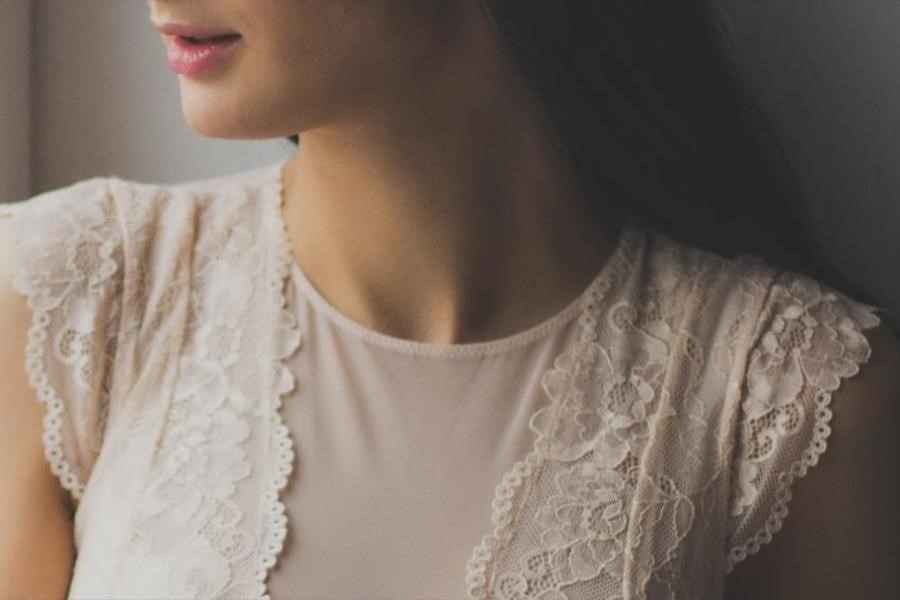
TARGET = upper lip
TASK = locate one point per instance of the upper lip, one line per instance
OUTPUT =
(187, 30)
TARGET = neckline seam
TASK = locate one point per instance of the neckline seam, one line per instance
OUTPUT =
(485, 348)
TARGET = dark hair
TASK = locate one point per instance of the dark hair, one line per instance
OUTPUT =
(660, 126)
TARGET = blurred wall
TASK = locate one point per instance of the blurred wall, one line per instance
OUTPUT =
(15, 99)
(826, 71)
(109, 104)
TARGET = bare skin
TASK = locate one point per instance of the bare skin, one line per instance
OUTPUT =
(430, 199)
(37, 547)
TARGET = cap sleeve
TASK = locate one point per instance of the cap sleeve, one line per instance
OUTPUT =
(65, 259)
(809, 338)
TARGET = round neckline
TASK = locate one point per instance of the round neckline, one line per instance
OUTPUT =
(293, 271)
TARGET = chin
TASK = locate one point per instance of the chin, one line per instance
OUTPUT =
(226, 129)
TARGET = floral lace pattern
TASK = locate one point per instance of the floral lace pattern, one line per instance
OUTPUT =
(629, 475)
(813, 338)
(192, 435)
(223, 440)
(697, 391)
(73, 293)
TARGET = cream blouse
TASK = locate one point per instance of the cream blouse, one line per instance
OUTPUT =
(399, 446)
(213, 415)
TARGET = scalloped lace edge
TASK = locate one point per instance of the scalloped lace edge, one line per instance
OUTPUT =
(273, 507)
(51, 437)
(36, 371)
(799, 468)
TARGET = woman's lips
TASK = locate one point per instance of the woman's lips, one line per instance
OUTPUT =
(188, 57)
(188, 30)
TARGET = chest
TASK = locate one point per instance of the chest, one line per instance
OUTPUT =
(612, 480)
(399, 448)
(609, 473)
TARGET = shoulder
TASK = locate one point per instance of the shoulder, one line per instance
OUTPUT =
(701, 275)
(170, 212)
(60, 294)
(842, 536)
(814, 404)
(60, 238)
(102, 269)
(750, 294)
(816, 439)
(138, 217)
(710, 300)
(82, 203)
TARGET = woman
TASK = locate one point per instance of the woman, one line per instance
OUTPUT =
(445, 350)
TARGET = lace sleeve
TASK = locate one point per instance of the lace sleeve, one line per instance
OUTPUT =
(65, 258)
(808, 338)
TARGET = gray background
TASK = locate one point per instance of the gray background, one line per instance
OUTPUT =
(94, 96)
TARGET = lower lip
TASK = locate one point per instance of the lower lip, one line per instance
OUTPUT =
(186, 58)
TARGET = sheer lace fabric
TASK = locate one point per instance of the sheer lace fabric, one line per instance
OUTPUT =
(694, 390)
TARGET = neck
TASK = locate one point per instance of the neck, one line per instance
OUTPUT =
(448, 215)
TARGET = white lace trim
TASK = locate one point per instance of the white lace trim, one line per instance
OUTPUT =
(866, 319)
(282, 445)
(558, 382)
(52, 423)
(36, 369)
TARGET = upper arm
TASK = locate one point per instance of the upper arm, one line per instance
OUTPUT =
(36, 525)
(842, 537)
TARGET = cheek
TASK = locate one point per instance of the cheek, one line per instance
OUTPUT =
(303, 63)
(280, 79)
(309, 66)
(306, 36)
